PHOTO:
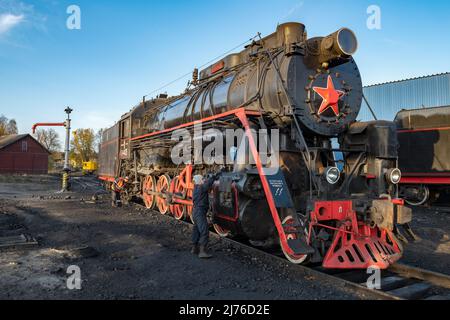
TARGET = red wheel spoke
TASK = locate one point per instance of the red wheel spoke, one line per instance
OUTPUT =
(178, 210)
(163, 187)
(149, 185)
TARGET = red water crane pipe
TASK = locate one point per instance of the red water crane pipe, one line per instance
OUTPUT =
(61, 124)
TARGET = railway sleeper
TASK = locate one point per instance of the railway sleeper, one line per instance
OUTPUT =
(412, 292)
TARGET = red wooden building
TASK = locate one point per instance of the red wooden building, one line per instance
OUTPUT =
(21, 153)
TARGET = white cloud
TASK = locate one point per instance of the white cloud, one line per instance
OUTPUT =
(296, 7)
(17, 13)
(9, 21)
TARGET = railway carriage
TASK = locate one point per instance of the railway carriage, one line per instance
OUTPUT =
(424, 154)
(309, 91)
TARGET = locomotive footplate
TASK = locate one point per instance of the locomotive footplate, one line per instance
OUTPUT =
(300, 247)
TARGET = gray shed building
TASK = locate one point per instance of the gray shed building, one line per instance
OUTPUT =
(387, 99)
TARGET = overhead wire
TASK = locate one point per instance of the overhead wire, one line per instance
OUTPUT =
(203, 65)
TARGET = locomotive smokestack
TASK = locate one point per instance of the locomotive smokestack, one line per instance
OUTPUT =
(291, 32)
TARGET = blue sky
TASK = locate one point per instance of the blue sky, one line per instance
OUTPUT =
(126, 49)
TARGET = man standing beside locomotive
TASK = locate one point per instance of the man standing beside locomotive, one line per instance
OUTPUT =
(200, 234)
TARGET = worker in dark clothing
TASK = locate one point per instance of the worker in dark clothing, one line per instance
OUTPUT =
(200, 234)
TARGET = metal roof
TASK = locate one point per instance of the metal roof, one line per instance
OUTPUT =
(387, 99)
(409, 79)
(10, 139)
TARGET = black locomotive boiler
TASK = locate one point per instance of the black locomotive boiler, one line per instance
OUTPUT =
(342, 213)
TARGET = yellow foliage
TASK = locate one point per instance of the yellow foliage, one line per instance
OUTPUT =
(82, 147)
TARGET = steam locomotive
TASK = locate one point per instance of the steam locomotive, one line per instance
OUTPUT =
(338, 206)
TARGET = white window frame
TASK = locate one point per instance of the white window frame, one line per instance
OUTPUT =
(24, 146)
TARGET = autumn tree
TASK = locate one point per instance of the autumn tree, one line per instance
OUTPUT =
(82, 146)
(7, 126)
(3, 123)
(12, 127)
(49, 138)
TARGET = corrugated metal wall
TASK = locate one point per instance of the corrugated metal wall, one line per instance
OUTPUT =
(389, 98)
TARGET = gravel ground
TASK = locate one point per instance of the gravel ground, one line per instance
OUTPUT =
(432, 249)
(137, 255)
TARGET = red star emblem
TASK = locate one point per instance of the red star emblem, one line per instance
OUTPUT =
(330, 97)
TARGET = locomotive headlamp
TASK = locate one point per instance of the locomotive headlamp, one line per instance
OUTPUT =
(394, 176)
(341, 44)
(347, 41)
(332, 174)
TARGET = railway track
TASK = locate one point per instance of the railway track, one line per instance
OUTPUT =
(443, 209)
(399, 282)
(88, 183)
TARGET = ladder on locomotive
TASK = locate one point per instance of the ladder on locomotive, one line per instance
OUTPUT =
(297, 244)
(278, 198)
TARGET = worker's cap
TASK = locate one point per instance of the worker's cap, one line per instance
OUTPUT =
(198, 179)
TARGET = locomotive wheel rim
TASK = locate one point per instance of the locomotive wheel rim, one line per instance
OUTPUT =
(163, 186)
(426, 192)
(178, 210)
(295, 259)
(222, 232)
(149, 184)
